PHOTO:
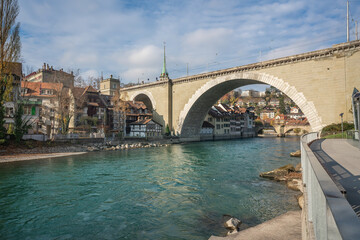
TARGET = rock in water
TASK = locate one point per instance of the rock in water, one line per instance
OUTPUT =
(296, 154)
(298, 167)
(301, 201)
(279, 173)
(233, 224)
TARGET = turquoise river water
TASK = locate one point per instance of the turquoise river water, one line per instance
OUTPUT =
(176, 192)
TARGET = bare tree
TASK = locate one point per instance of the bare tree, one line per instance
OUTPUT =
(94, 82)
(10, 45)
(120, 109)
(68, 106)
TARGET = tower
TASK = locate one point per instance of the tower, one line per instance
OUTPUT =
(164, 76)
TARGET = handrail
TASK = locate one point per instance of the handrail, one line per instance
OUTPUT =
(329, 212)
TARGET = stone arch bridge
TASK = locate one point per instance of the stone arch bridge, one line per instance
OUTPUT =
(282, 130)
(319, 82)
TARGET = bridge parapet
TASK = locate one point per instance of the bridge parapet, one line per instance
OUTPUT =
(328, 215)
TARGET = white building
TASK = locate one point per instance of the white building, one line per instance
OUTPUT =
(147, 128)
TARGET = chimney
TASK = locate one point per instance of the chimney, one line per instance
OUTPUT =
(111, 76)
(44, 66)
(47, 66)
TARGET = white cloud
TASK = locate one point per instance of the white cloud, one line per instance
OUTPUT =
(148, 55)
(125, 37)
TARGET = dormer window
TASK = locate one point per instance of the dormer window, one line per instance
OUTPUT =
(46, 92)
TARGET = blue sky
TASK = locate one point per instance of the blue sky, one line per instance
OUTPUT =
(125, 38)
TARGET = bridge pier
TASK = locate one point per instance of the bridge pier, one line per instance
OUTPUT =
(190, 138)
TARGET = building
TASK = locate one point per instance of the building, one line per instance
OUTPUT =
(261, 103)
(294, 110)
(91, 110)
(251, 93)
(274, 102)
(109, 86)
(146, 128)
(226, 122)
(225, 112)
(207, 129)
(267, 114)
(41, 106)
(136, 111)
(50, 75)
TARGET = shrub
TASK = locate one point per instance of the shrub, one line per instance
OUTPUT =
(297, 130)
(258, 123)
(336, 127)
(167, 130)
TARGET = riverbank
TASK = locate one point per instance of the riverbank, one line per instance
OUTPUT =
(286, 226)
(283, 227)
(37, 150)
(26, 157)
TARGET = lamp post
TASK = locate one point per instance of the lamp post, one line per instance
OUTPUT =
(342, 125)
(358, 118)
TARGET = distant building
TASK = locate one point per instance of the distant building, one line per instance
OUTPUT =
(228, 122)
(262, 103)
(262, 94)
(250, 93)
(146, 128)
(50, 75)
(207, 128)
(274, 102)
(109, 86)
(267, 114)
(294, 110)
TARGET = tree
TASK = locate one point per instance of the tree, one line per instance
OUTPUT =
(282, 105)
(10, 44)
(120, 109)
(167, 130)
(21, 126)
(68, 105)
(2, 122)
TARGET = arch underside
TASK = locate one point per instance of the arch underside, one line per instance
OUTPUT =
(145, 97)
(194, 112)
(196, 115)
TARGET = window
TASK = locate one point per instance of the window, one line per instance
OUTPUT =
(209, 119)
(33, 111)
(27, 110)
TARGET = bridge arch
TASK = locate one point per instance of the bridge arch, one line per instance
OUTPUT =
(146, 97)
(195, 110)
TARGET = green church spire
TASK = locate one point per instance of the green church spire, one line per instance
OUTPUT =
(164, 73)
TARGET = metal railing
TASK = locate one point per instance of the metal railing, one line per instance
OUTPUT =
(329, 214)
(353, 134)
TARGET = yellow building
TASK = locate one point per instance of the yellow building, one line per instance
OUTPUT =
(109, 86)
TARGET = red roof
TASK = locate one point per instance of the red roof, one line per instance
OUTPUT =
(36, 87)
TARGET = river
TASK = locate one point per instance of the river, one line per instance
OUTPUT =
(175, 192)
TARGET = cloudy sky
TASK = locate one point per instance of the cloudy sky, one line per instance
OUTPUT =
(125, 37)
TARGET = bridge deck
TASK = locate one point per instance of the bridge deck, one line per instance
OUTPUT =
(341, 159)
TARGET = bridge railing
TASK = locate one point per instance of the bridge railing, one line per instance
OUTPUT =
(328, 214)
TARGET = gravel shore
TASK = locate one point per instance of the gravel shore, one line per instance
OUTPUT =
(34, 156)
